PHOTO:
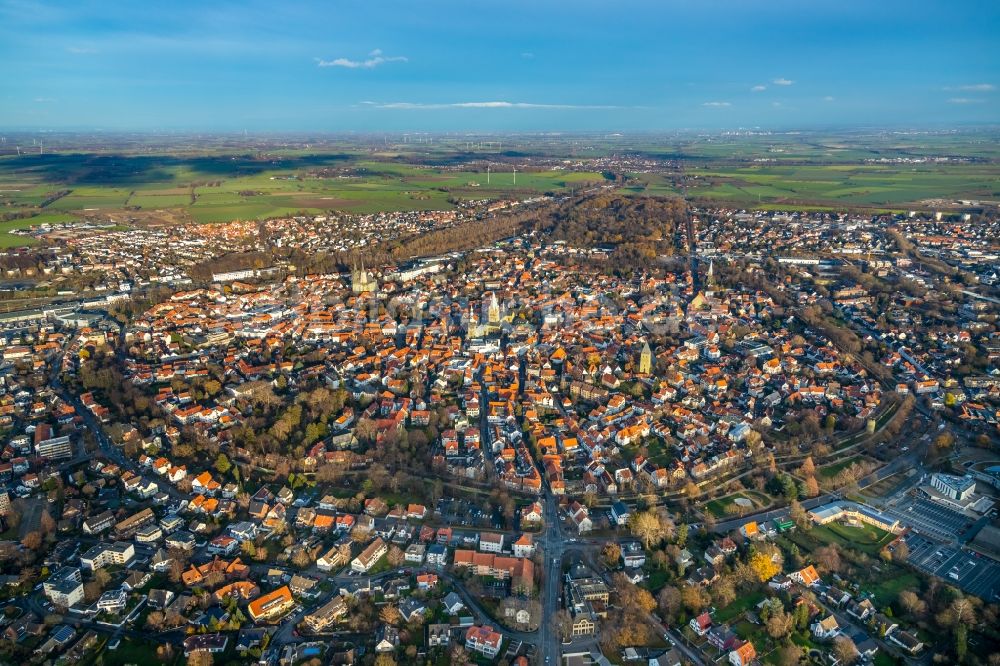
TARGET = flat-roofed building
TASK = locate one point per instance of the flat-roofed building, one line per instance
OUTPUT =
(113, 601)
(106, 554)
(148, 534)
(958, 488)
(64, 587)
(49, 447)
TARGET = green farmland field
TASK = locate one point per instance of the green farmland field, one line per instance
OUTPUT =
(218, 179)
(214, 189)
(840, 186)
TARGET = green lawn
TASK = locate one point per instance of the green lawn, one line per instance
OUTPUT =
(658, 453)
(657, 578)
(804, 639)
(829, 471)
(738, 607)
(888, 589)
(135, 652)
(8, 239)
(885, 659)
(753, 633)
(720, 506)
(862, 537)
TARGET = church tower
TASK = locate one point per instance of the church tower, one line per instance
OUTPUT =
(362, 281)
(645, 359)
(473, 329)
(493, 313)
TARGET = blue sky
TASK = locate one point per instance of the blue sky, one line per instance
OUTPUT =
(497, 66)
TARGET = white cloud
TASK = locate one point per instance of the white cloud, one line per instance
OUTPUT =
(483, 105)
(43, 100)
(782, 82)
(375, 58)
(828, 98)
(758, 89)
(964, 100)
(974, 87)
(716, 104)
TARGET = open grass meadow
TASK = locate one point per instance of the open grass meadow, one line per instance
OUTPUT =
(8, 239)
(726, 507)
(225, 178)
(895, 187)
(867, 538)
(217, 189)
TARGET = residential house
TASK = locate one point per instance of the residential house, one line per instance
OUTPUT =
(904, 639)
(333, 558)
(580, 517)
(272, 605)
(415, 553)
(860, 610)
(452, 603)
(524, 546)
(722, 638)
(484, 640)
(437, 555)
(386, 639)
(700, 624)
(807, 576)
(438, 635)
(369, 556)
(743, 655)
(827, 628)
(326, 615)
(490, 542)
(620, 513)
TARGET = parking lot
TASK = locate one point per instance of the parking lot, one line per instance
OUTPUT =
(967, 570)
(928, 517)
(460, 513)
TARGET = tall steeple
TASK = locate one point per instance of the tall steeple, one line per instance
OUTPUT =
(361, 280)
(645, 359)
(493, 313)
